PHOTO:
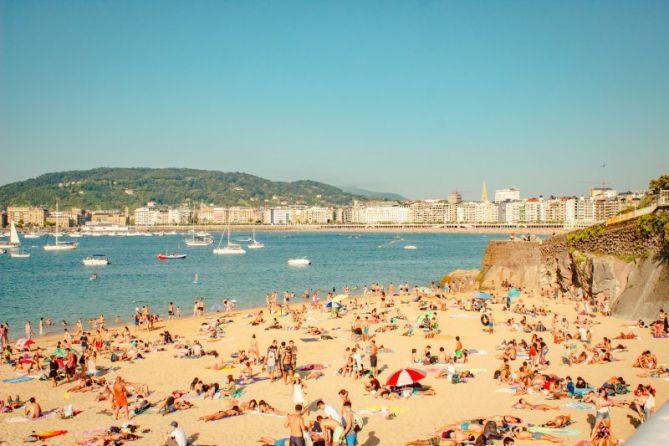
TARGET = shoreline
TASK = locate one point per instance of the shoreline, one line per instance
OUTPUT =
(405, 229)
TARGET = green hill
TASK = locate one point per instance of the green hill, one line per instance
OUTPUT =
(116, 188)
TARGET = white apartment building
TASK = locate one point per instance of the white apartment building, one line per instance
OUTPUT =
(510, 194)
(467, 212)
(487, 212)
(279, 216)
(178, 216)
(511, 211)
(534, 210)
(145, 216)
(372, 215)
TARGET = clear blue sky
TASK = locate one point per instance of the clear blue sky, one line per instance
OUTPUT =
(414, 97)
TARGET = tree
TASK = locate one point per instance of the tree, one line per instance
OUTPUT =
(658, 184)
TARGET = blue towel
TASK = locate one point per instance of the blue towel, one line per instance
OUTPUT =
(18, 379)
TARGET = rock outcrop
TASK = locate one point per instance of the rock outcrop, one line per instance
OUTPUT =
(617, 262)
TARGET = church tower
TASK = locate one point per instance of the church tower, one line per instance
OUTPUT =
(484, 193)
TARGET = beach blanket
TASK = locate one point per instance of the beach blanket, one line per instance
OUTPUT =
(309, 339)
(310, 367)
(578, 406)
(45, 435)
(254, 379)
(18, 379)
(584, 391)
(374, 410)
(506, 390)
(477, 352)
(554, 431)
(44, 416)
(227, 368)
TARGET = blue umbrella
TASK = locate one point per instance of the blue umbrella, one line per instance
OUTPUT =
(482, 295)
(513, 292)
(332, 303)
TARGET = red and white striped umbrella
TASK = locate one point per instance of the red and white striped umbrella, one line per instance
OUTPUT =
(405, 377)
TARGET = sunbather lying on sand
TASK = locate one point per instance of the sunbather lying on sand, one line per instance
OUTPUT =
(522, 404)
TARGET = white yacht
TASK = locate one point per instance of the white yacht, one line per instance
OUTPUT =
(31, 235)
(299, 262)
(19, 254)
(255, 244)
(14, 240)
(199, 240)
(230, 248)
(58, 245)
(410, 247)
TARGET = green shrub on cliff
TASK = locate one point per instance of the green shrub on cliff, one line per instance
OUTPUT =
(585, 233)
(658, 184)
(651, 225)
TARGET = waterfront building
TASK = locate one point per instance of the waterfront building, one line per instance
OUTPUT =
(61, 218)
(279, 216)
(26, 216)
(455, 197)
(510, 194)
(112, 217)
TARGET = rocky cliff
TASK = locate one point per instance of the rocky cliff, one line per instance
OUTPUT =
(622, 262)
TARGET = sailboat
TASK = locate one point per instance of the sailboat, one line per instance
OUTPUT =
(198, 240)
(60, 246)
(19, 254)
(230, 248)
(255, 244)
(14, 241)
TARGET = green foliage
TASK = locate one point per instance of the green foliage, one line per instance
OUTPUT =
(657, 184)
(579, 257)
(116, 188)
(651, 224)
(585, 233)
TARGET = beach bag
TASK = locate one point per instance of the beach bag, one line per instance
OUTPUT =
(456, 379)
(114, 357)
(68, 411)
(358, 422)
(497, 374)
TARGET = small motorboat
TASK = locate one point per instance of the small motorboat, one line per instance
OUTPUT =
(96, 260)
(173, 256)
(410, 248)
(19, 254)
(299, 262)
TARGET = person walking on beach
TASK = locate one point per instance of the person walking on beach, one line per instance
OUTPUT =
(41, 326)
(373, 358)
(29, 330)
(170, 311)
(4, 335)
(295, 425)
(120, 398)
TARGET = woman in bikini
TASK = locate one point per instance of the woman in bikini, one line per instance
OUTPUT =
(522, 404)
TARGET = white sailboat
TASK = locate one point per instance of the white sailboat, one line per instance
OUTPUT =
(19, 254)
(58, 245)
(14, 241)
(198, 240)
(31, 235)
(255, 244)
(230, 248)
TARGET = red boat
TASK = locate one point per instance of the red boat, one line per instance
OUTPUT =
(174, 256)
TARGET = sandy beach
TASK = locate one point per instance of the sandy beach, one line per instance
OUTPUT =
(416, 417)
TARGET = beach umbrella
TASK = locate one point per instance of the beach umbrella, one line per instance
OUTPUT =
(513, 292)
(332, 304)
(24, 343)
(340, 297)
(216, 308)
(405, 377)
(482, 295)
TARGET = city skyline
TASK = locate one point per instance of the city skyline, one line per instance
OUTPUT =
(416, 98)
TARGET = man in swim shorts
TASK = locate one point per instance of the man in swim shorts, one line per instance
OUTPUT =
(295, 424)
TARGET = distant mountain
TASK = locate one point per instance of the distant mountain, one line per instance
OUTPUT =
(116, 188)
(373, 195)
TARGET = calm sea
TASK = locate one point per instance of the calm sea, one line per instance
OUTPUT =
(58, 286)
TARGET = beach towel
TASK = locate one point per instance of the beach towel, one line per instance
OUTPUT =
(227, 367)
(578, 406)
(506, 390)
(254, 379)
(584, 391)
(477, 352)
(554, 431)
(45, 435)
(18, 379)
(310, 367)
(372, 410)
(44, 416)
(309, 339)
